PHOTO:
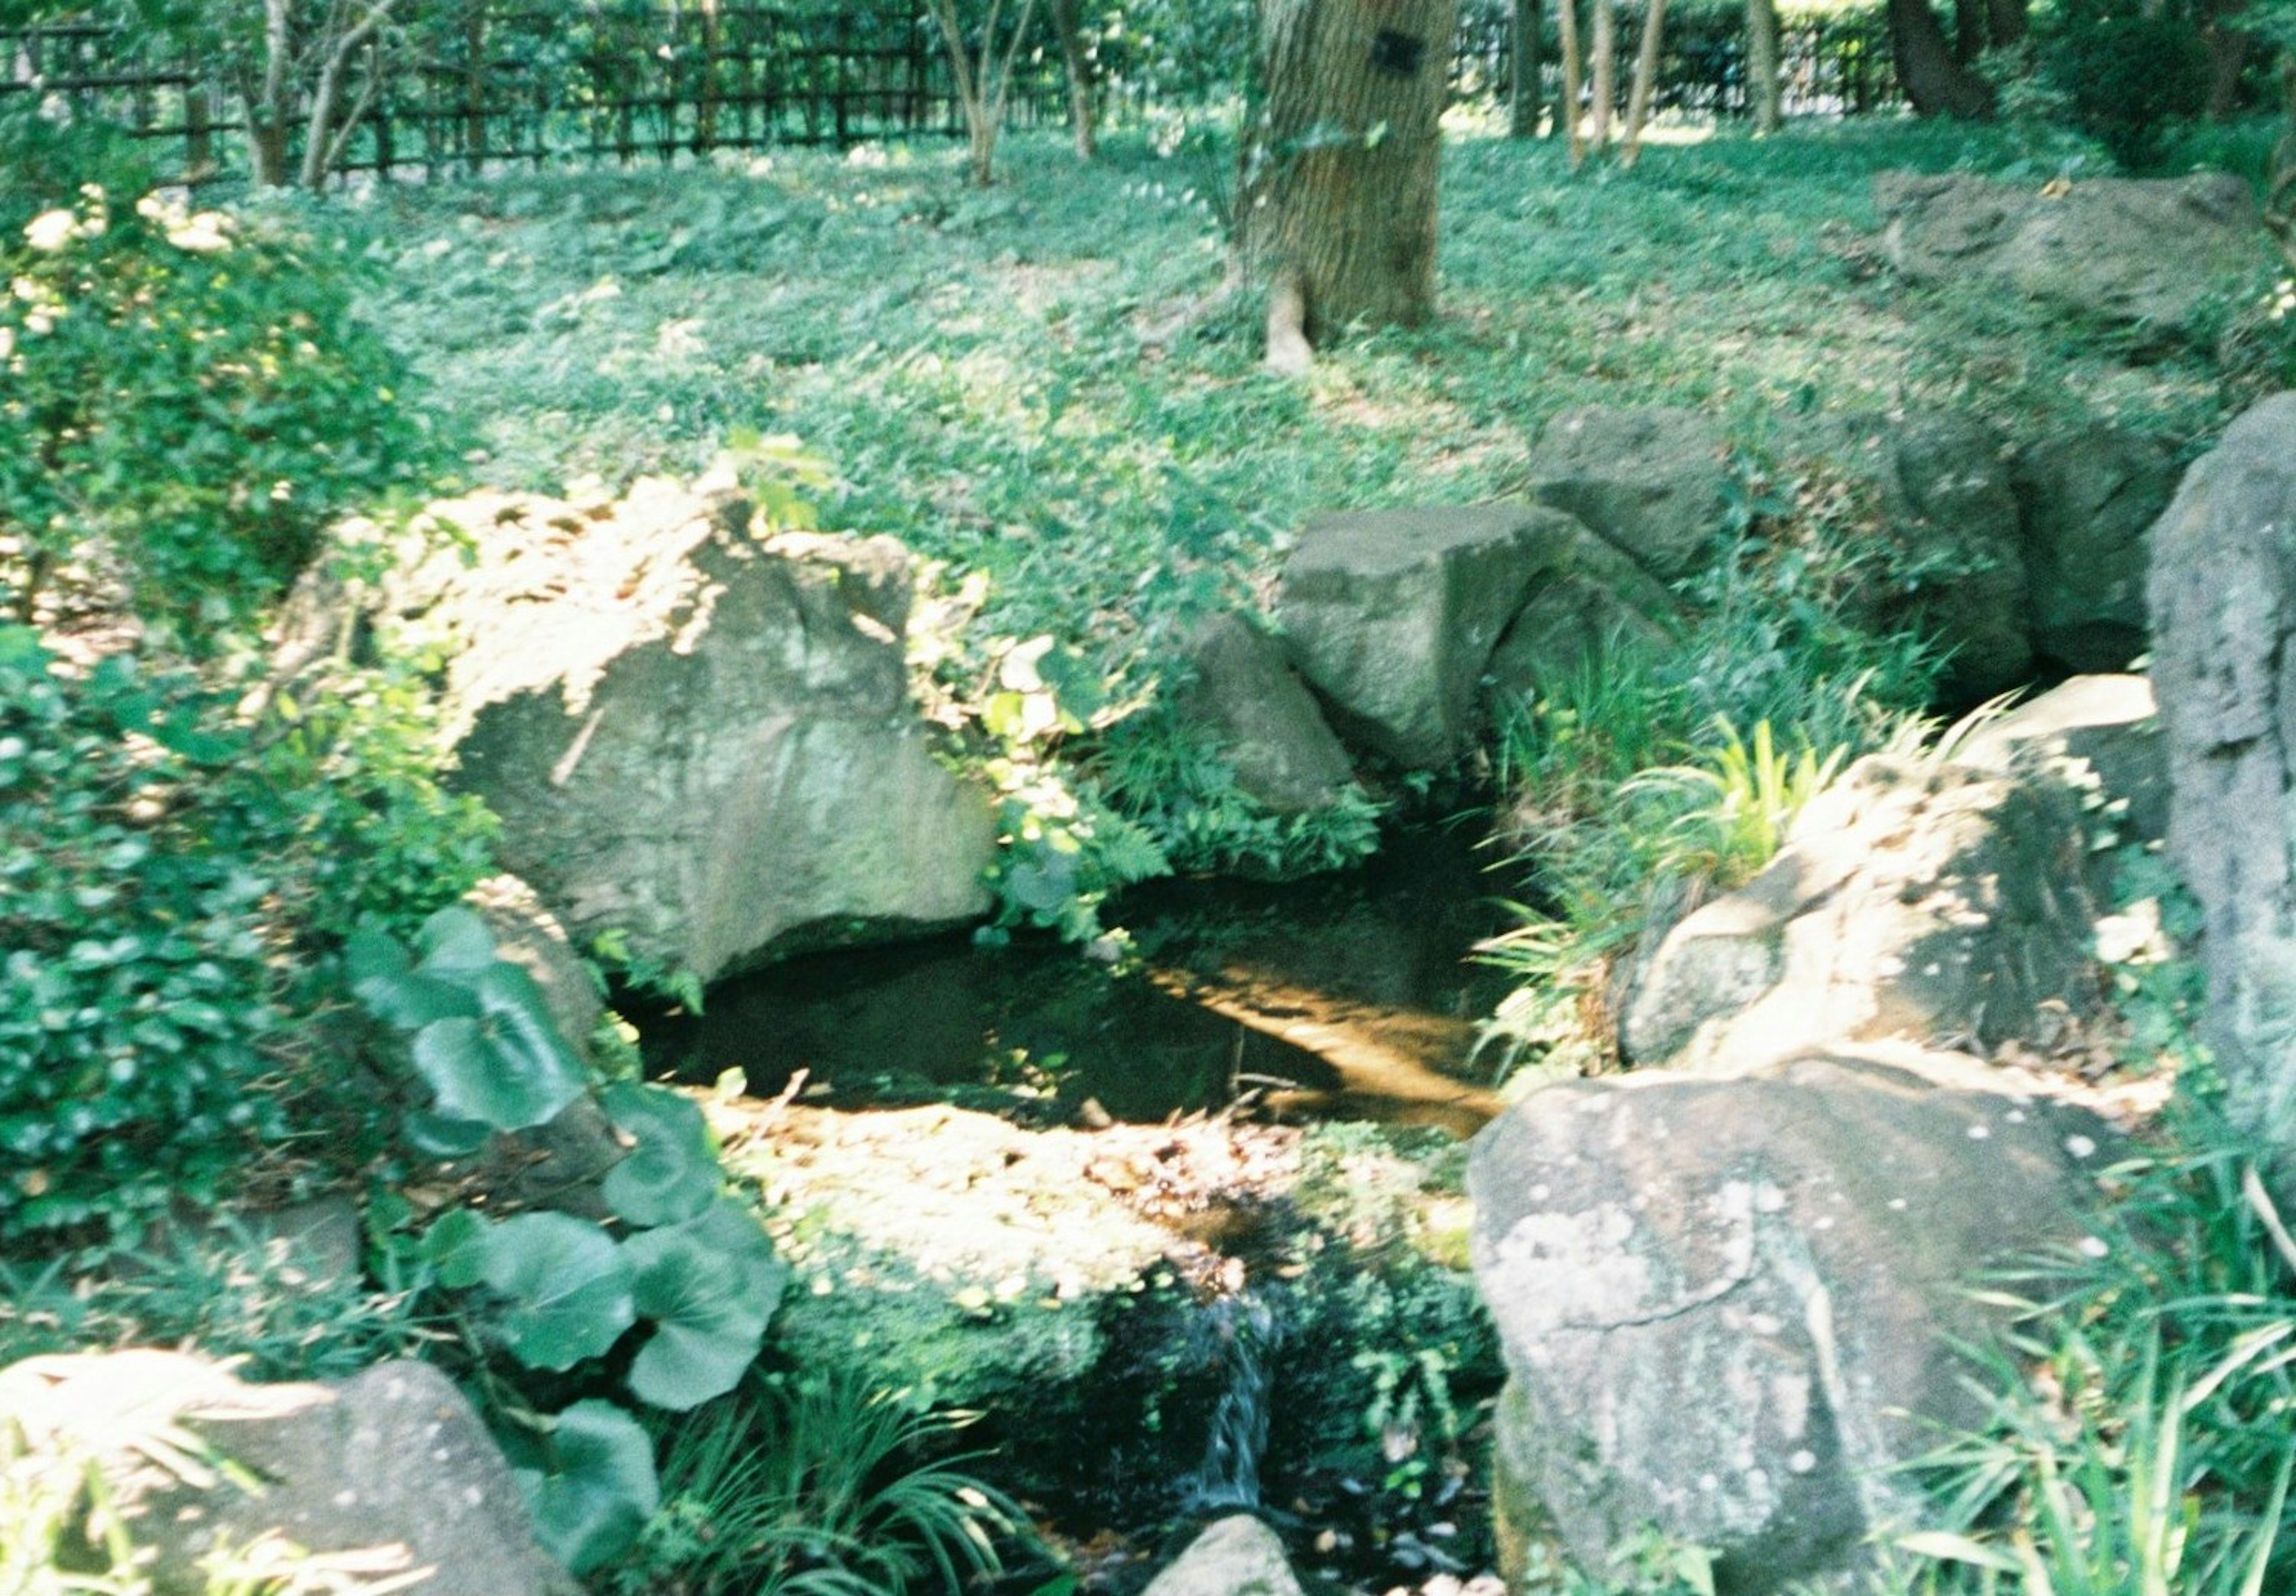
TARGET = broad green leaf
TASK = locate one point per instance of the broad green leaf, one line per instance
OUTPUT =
(672, 1173)
(455, 1247)
(600, 1490)
(565, 1285)
(455, 939)
(509, 1068)
(370, 954)
(706, 1330)
(437, 1136)
(740, 1244)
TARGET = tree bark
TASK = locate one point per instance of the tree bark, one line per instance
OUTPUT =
(982, 80)
(1638, 98)
(1606, 73)
(2229, 53)
(1523, 67)
(1566, 17)
(1337, 198)
(1076, 61)
(1935, 83)
(1762, 53)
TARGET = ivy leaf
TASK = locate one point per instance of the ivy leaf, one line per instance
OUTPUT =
(600, 1489)
(672, 1173)
(707, 1329)
(565, 1285)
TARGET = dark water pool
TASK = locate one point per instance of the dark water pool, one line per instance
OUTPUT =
(1348, 994)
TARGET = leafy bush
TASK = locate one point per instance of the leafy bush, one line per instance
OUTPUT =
(188, 397)
(141, 1024)
(1169, 780)
(171, 880)
(2128, 74)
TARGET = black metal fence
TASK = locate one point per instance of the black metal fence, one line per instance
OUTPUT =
(480, 86)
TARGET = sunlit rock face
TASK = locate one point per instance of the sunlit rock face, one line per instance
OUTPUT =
(1912, 898)
(1728, 1305)
(1650, 481)
(2223, 591)
(1393, 615)
(2148, 251)
(390, 1477)
(698, 739)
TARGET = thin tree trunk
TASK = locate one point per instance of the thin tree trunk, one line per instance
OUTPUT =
(2228, 54)
(1935, 83)
(1968, 30)
(474, 88)
(1638, 99)
(1523, 72)
(264, 106)
(982, 83)
(324, 138)
(1076, 59)
(2005, 23)
(1606, 72)
(1337, 201)
(1762, 95)
(1566, 17)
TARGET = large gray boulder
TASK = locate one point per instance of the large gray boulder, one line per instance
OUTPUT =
(2098, 738)
(1235, 1555)
(1653, 481)
(1392, 615)
(2223, 591)
(695, 738)
(2090, 498)
(1603, 601)
(1954, 555)
(387, 1474)
(1915, 897)
(1728, 1307)
(2151, 252)
(1242, 693)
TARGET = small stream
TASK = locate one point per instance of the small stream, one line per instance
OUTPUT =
(1346, 995)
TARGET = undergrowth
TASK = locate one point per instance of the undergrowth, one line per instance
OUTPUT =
(1042, 390)
(1651, 775)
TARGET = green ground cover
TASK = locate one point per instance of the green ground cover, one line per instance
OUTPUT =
(994, 378)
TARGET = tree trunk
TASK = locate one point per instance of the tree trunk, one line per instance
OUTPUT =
(1935, 83)
(1077, 61)
(1523, 71)
(1762, 96)
(1968, 30)
(982, 80)
(2005, 23)
(1566, 17)
(1337, 201)
(2228, 53)
(1638, 99)
(1606, 73)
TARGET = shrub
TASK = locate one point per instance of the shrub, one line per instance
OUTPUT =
(2128, 75)
(188, 397)
(171, 881)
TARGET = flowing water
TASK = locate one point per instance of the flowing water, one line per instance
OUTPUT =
(1247, 1334)
(1345, 995)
